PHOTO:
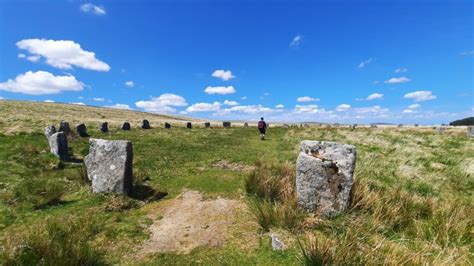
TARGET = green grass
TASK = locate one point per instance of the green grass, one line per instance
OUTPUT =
(413, 199)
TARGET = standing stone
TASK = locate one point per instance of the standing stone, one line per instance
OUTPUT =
(324, 173)
(226, 124)
(416, 125)
(286, 126)
(104, 127)
(440, 130)
(189, 125)
(400, 125)
(49, 130)
(470, 131)
(167, 125)
(82, 130)
(64, 127)
(145, 124)
(373, 125)
(207, 125)
(246, 124)
(126, 126)
(58, 145)
(109, 165)
(277, 244)
(354, 126)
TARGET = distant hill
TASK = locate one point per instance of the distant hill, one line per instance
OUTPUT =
(25, 116)
(469, 121)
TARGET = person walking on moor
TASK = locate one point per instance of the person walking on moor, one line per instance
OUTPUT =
(262, 127)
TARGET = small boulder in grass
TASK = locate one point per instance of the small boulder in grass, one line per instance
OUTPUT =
(49, 130)
(104, 127)
(189, 125)
(126, 126)
(226, 124)
(64, 127)
(145, 124)
(82, 130)
(207, 125)
(324, 176)
(470, 131)
(167, 125)
(246, 124)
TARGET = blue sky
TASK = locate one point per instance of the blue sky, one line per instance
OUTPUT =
(330, 61)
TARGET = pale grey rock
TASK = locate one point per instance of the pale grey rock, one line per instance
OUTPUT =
(277, 244)
(49, 130)
(324, 176)
(58, 145)
(400, 125)
(109, 166)
(373, 126)
(440, 130)
(470, 131)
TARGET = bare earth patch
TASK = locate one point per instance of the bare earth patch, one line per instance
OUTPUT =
(189, 221)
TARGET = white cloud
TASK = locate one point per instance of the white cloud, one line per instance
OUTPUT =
(223, 74)
(49, 101)
(164, 103)
(62, 54)
(398, 80)
(365, 63)
(1, 98)
(130, 84)
(120, 106)
(220, 90)
(250, 109)
(419, 96)
(414, 106)
(374, 110)
(343, 107)
(204, 107)
(468, 53)
(305, 99)
(41, 82)
(279, 106)
(244, 98)
(311, 109)
(411, 108)
(401, 70)
(78, 103)
(296, 41)
(98, 99)
(374, 96)
(21, 55)
(93, 9)
(231, 103)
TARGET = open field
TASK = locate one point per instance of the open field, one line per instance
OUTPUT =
(413, 198)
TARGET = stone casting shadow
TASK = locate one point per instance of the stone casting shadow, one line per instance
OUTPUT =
(144, 192)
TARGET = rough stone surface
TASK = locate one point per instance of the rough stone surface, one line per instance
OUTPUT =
(207, 125)
(167, 125)
(49, 130)
(145, 124)
(400, 125)
(277, 244)
(64, 127)
(81, 130)
(226, 124)
(470, 131)
(440, 130)
(324, 173)
(246, 124)
(109, 165)
(416, 125)
(126, 126)
(189, 125)
(104, 127)
(58, 145)
(373, 126)
(286, 126)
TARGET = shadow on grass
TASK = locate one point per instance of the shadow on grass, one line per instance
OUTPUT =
(144, 192)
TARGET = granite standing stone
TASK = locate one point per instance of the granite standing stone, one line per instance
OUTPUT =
(324, 176)
(82, 130)
(373, 126)
(167, 125)
(145, 124)
(49, 130)
(470, 131)
(126, 126)
(226, 124)
(58, 145)
(207, 125)
(416, 125)
(189, 125)
(109, 166)
(400, 125)
(104, 127)
(64, 127)
(246, 124)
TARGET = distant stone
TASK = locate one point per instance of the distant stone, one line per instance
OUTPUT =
(81, 130)
(104, 127)
(400, 125)
(277, 244)
(440, 130)
(126, 126)
(336, 125)
(145, 124)
(109, 166)
(416, 125)
(58, 145)
(226, 124)
(189, 125)
(470, 131)
(373, 126)
(64, 127)
(354, 126)
(207, 125)
(167, 125)
(324, 176)
(286, 126)
(49, 130)
(246, 124)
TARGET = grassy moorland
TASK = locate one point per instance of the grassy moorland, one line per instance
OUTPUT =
(412, 203)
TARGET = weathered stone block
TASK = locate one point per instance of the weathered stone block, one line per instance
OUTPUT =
(58, 145)
(189, 125)
(49, 130)
(109, 165)
(246, 124)
(167, 125)
(145, 124)
(226, 124)
(470, 131)
(104, 127)
(324, 176)
(64, 127)
(126, 126)
(207, 125)
(82, 130)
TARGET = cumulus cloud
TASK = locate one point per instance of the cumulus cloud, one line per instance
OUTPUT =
(120, 106)
(98, 99)
(220, 90)
(244, 98)
(401, 70)
(397, 80)
(163, 103)
(365, 63)
(49, 101)
(305, 99)
(310, 108)
(250, 109)
(130, 84)
(414, 106)
(78, 103)
(61, 54)
(419, 96)
(223, 74)
(374, 110)
(203, 107)
(279, 106)
(411, 108)
(92, 9)
(343, 107)
(41, 82)
(374, 96)
(296, 41)
(468, 53)
(231, 103)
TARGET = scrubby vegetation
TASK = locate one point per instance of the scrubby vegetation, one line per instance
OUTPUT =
(412, 200)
